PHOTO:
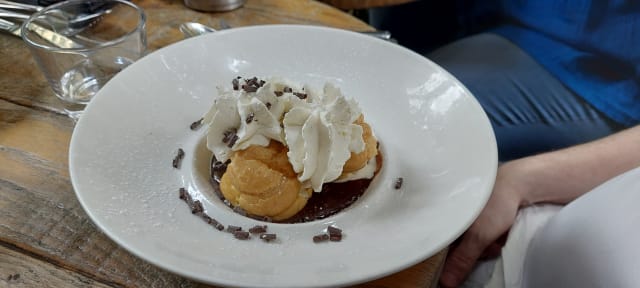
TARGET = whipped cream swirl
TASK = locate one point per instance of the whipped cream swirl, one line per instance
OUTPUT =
(317, 126)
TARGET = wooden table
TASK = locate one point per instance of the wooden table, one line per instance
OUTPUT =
(364, 4)
(46, 239)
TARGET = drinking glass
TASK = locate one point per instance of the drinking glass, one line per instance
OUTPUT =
(79, 45)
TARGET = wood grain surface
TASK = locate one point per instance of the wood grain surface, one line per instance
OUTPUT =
(364, 4)
(46, 238)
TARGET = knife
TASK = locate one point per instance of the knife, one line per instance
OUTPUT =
(54, 38)
(10, 27)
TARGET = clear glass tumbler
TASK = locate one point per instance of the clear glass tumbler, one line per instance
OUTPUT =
(79, 45)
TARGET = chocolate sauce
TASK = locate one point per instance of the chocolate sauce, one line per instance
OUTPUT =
(334, 196)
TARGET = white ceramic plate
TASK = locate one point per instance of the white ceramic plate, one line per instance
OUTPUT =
(432, 132)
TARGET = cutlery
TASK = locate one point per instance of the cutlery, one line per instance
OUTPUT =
(191, 29)
(19, 6)
(62, 22)
(13, 14)
(54, 38)
(10, 27)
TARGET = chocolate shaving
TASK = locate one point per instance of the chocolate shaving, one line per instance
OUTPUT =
(268, 237)
(300, 95)
(233, 229)
(398, 183)
(184, 195)
(278, 93)
(334, 231)
(268, 104)
(287, 90)
(197, 207)
(250, 118)
(258, 229)
(195, 125)
(219, 167)
(178, 159)
(241, 235)
(320, 238)
(230, 137)
(251, 85)
(212, 222)
(249, 89)
(233, 141)
(236, 83)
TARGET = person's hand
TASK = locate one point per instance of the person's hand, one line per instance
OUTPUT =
(480, 240)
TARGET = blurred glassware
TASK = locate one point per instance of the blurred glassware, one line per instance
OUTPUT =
(106, 36)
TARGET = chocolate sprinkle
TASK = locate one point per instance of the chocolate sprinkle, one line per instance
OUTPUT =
(219, 166)
(241, 235)
(398, 183)
(268, 237)
(278, 93)
(268, 104)
(178, 159)
(334, 231)
(258, 229)
(287, 89)
(235, 83)
(252, 84)
(233, 229)
(320, 238)
(233, 141)
(249, 89)
(184, 194)
(230, 137)
(250, 118)
(197, 207)
(300, 95)
(195, 125)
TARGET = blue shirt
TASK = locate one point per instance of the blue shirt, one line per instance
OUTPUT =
(592, 46)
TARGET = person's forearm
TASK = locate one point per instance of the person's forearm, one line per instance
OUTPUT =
(563, 175)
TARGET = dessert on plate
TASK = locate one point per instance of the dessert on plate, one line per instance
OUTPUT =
(278, 145)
